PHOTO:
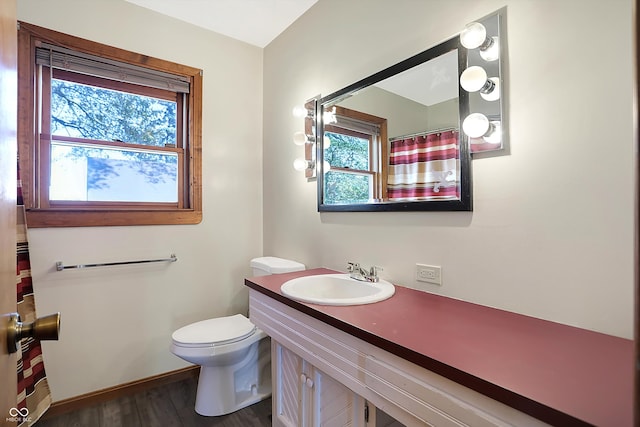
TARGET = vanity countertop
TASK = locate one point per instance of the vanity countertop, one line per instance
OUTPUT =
(560, 374)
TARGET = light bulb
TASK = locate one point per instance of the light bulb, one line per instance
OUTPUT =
(301, 164)
(326, 167)
(329, 116)
(473, 35)
(494, 136)
(494, 93)
(473, 78)
(475, 125)
(326, 142)
(299, 111)
(301, 138)
(491, 52)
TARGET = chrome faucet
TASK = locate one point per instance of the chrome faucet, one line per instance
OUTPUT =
(359, 273)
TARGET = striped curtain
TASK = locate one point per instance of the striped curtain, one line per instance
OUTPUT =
(425, 167)
(33, 388)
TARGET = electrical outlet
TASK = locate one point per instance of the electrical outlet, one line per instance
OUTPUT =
(429, 274)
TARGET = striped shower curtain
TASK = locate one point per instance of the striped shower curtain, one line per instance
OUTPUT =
(425, 167)
(33, 388)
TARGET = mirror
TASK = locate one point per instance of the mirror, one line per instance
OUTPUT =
(392, 141)
(402, 138)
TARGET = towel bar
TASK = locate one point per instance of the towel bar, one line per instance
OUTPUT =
(60, 266)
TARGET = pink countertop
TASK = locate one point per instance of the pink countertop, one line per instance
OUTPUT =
(557, 373)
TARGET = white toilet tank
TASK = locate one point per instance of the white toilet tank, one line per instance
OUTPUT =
(267, 265)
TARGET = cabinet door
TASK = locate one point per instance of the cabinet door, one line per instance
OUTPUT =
(333, 404)
(288, 387)
(304, 396)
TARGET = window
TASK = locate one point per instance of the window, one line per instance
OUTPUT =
(107, 137)
(356, 155)
(350, 179)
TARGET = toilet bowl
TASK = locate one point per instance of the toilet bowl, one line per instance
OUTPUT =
(234, 355)
(234, 358)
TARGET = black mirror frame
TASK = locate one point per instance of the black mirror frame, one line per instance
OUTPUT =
(465, 203)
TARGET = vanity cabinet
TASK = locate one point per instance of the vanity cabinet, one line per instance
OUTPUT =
(325, 376)
(304, 396)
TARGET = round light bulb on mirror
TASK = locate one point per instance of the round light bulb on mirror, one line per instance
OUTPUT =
(492, 51)
(301, 164)
(473, 35)
(475, 125)
(300, 138)
(494, 135)
(326, 167)
(326, 142)
(494, 93)
(299, 111)
(473, 79)
(329, 116)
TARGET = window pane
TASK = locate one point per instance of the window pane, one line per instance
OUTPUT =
(347, 151)
(104, 174)
(340, 187)
(83, 111)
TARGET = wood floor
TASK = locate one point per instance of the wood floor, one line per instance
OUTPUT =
(171, 405)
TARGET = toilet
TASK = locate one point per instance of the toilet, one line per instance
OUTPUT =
(234, 355)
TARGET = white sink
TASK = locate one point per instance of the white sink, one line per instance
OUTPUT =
(336, 289)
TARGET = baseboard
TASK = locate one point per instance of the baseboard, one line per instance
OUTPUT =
(99, 396)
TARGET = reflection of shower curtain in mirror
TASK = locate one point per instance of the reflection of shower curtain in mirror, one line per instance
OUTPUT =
(425, 167)
(33, 388)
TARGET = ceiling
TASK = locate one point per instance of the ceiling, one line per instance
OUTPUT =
(429, 83)
(256, 22)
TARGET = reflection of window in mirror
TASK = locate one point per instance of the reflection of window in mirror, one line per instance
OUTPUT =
(357, 156)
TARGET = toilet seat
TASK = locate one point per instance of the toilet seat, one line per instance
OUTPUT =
(214, 332)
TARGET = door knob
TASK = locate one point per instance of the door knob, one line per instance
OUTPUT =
(43, 328)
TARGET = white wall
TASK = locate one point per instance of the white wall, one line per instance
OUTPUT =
(551, 234)
(117, 322)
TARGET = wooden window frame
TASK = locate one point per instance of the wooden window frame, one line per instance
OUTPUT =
(378, 148)
(188, 210)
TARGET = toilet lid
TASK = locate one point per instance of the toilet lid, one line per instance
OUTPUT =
(275, 265)
(217, 331)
